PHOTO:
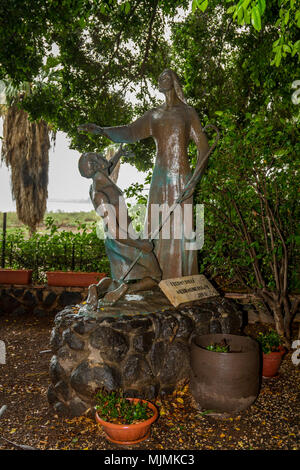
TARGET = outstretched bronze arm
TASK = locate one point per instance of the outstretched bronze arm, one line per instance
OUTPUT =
(119, 153)
(92, 128)
(127, 134)
(118, 134)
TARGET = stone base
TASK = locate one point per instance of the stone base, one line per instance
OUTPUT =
(145, 355)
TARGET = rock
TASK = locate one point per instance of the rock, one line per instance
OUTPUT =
(140, 323)
(265, 318)
(72, 340)
(252, 316)
(84, 326)
(69, 298)
(112, 345)
(186, 326)
(56, 371)
(61, 409)
(77, 407)
(120, 325)
(143, 343)
(176, 364)
(62, 390)
(165, 325)
(8, 303)
(68, 358)
(168, 326)
(50, 299)
(107, 377)
(65, 318)
(136, 369)
(202, 329)
(82, 379)
(29, 299)
(85, 379)
(39, 312)
(18, 292)
(199, 314)
(51, 395)
(55, 340)
(127, 323)
(132, 393)
(157, 355)
(20, 311)
(40, 294)
(214, 326)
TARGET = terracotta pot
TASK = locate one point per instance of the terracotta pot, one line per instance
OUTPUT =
(271, 363)
(128, 434)
(73, 278)
(225, 382)
(15, 276)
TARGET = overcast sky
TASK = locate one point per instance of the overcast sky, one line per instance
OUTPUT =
(65, 181)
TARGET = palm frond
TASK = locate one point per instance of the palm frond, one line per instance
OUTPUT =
(25, 150)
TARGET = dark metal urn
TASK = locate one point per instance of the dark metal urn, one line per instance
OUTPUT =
(225, 381)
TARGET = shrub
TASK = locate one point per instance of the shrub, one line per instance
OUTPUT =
(56, 250)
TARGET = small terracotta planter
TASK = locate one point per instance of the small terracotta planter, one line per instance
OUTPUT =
(271, 363)
(73, 278)
(15, 276)
(127, 434)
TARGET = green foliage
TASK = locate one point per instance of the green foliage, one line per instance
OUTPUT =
(136, 190)
(66, 220)
(254, 12)
(226, 67)
(102, 50)
(251, 191)
(223, 348)
(56, 250)
(114, 408)
(270, 342)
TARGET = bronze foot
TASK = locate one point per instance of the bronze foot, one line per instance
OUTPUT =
(113, 296)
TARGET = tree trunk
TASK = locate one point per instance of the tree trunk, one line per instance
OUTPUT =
(282, 312)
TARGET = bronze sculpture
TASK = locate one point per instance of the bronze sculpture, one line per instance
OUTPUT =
(121, 247)
(172, 125)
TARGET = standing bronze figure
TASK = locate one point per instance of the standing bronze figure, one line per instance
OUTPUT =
(172, 125)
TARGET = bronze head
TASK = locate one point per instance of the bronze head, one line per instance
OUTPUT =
(90, 163)
(167, 80)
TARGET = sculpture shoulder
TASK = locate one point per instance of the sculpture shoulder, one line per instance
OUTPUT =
(194, 118)
(154, 111)
(192, 112)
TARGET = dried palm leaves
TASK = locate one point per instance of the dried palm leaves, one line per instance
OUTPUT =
(25, 150)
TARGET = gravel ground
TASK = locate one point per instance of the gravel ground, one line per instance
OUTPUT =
(271, 423)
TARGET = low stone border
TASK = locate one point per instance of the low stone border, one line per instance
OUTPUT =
(19, 300)
(144, 355)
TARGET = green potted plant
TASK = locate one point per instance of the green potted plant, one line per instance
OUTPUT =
(124, 420)
(222, 347)
(272, 351)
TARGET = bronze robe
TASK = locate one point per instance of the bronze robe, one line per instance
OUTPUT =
(171, 129)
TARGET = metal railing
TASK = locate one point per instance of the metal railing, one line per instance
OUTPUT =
(61, 251)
